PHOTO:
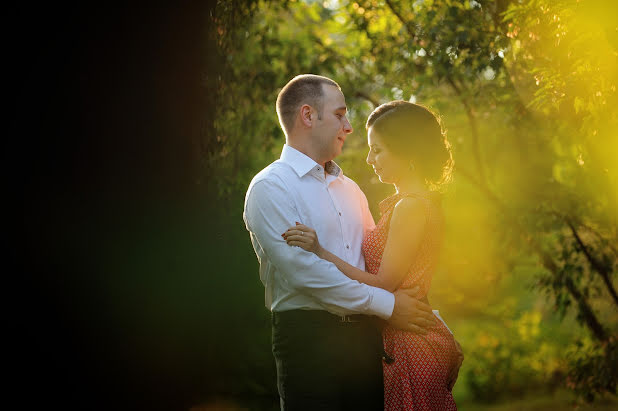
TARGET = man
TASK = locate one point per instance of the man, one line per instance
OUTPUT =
(326, 340)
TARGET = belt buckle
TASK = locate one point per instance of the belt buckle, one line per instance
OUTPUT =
(348, 319)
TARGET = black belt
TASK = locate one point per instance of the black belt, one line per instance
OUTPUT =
(320, 315)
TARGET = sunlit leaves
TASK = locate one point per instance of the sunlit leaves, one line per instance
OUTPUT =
(508, 360)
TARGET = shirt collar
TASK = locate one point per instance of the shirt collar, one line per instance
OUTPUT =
(302, 164)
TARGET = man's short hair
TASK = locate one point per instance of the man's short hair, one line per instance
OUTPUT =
(302, 89)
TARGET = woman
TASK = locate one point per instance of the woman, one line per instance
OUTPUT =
(408, 149)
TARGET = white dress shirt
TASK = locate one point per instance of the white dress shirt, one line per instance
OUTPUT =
(295, 188)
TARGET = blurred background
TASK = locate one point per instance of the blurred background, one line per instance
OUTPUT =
(136, 130)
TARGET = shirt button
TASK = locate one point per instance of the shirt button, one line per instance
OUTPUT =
(347, 246)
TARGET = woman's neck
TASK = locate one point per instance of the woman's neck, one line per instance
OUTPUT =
(411, 186)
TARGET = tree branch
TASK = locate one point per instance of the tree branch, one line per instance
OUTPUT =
(405, 23)
(600, 237)
(367, 97)
(585, 310)
(476, 150)
(596, 266)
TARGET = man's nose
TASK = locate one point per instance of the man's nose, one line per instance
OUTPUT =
(347, 127)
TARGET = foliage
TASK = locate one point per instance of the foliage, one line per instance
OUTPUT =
(527, 92)
(569, 49)
(509, 360)
(593, 368)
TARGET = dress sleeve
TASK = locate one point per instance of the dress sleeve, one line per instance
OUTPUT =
(269, 212)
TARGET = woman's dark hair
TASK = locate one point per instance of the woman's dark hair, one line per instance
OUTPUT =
(413, 132)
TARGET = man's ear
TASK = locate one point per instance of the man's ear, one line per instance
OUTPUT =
(306, 115)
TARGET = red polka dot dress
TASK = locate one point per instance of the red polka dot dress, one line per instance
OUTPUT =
(417, 378)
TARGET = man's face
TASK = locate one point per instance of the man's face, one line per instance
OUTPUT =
(331, 130)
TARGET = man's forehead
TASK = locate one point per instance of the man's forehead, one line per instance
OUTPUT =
(333, 94)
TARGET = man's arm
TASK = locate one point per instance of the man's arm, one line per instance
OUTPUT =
(268, 213)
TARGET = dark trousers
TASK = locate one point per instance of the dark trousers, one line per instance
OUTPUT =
(324, 363)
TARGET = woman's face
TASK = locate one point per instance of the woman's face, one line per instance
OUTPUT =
(388, 167)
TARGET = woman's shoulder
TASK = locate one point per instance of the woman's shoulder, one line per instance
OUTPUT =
(409, 210)
(409, 204)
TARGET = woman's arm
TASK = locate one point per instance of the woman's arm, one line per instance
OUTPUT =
(404, 237)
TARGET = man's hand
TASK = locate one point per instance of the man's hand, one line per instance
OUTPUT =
(453, 377)
(410, 314)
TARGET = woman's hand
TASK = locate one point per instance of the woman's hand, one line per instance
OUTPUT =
(303, 237)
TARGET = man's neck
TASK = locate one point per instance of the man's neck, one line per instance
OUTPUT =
(306, 150)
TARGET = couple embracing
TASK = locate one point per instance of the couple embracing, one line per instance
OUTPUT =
(351, 325)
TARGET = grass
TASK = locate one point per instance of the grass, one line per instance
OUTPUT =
(560, 400)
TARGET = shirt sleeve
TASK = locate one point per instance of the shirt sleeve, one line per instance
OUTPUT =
(368, 223)
(269, 212)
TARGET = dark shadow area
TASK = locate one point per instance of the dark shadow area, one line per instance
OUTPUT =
(132, 296)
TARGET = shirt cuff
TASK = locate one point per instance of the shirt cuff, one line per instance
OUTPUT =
(437, 314)
(382, 303)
